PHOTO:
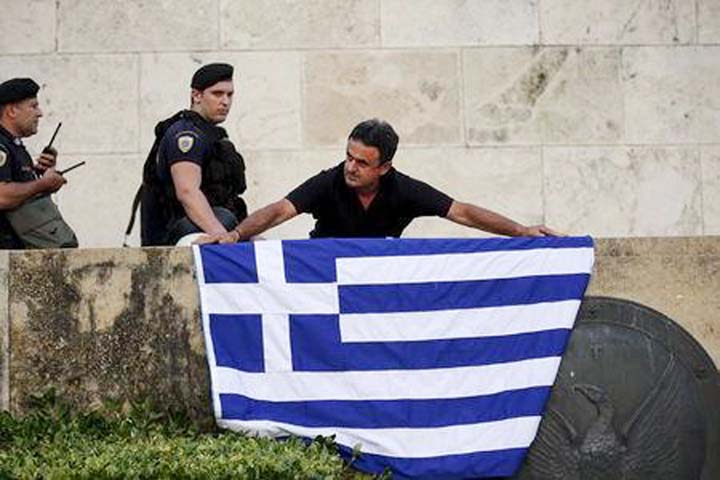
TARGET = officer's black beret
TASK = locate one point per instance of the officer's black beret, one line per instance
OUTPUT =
(210, 74)
(17, 89)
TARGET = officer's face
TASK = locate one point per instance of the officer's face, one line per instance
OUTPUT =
(362, 167)
(214, 102)
(26, 115)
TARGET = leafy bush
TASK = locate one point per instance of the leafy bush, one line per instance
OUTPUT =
(54, 441)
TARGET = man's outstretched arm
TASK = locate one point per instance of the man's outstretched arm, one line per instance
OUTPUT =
(255, 224)
(477, 217)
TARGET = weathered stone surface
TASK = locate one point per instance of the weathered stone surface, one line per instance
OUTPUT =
(273, 174)
(507, 180)
(99, 324)
(708, 21)
(4, 332)
(28, 27)
(617, 22)
(137, 25)
(95, 96)
(459, 22)
(299, 24)
(549, 95)
(96, 201)
(678, 277)
(710, 157)
(266, 107)
(672, 94)
(623, 191)
(417, 93)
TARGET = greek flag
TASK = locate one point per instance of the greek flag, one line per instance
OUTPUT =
(434, 356)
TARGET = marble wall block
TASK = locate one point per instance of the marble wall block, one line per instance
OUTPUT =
(423, 23)
(710, 157)
(97, 199)
(137, 25)
(272, 174)
(709, 21)
(549, 95)
(672, 95)
(266, 105)
(506, 180)
(604, 191)
(417, 92)
(299, 24)
(95, 96)
(617, 22)
(27, 26)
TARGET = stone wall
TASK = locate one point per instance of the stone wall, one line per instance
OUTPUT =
(125, 323)
(594, 117)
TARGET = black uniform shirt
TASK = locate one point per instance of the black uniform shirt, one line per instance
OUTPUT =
(183, 141)
(339, 212)
(16, 165)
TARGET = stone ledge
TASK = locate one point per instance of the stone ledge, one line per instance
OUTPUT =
(125, 324)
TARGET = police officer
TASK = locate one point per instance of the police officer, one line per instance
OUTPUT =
(365, 196)
(20, 178)
(193, 175)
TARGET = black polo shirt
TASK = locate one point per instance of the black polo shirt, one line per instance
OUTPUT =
(16, 165)
(339, 213)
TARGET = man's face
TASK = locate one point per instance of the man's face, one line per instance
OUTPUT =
(26, 116)
(362, 167)
(214, 102)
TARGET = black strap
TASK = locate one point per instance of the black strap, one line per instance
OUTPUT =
(133, 213)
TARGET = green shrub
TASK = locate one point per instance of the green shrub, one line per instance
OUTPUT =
(53, 441)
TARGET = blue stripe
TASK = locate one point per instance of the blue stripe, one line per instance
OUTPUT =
(237, 342)
(229, 263)
(316, 346)
(409, 297)
(389, 413)
(498, 463)
(313, 261)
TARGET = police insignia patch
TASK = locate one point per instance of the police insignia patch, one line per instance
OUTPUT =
(185, 143)
(3, 158)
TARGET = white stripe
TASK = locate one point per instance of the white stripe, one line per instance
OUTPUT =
(244, 298)
(270, 262)
(389, 384)
(200, 273)
(463, 266)
(516, 432)
(465, 323)
(276, 342)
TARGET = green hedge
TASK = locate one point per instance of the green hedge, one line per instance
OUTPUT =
(53, 441)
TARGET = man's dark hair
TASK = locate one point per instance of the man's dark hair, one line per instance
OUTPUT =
(379, 134)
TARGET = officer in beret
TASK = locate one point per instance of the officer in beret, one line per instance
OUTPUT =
(193, 175)
(20, 178)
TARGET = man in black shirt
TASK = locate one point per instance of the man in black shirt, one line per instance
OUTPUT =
(20, 178)
(366, 197)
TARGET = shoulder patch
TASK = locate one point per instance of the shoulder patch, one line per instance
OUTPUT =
(185, 143)
(3, 157)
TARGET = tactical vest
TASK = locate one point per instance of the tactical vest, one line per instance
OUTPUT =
(223, 180)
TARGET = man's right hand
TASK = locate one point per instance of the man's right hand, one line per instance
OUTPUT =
(52, 181)
(227, 237)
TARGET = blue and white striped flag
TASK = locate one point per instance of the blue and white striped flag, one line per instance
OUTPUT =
(434, 356)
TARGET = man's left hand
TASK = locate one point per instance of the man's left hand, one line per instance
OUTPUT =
(47, 159)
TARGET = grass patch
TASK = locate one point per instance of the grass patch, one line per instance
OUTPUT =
(54, 441)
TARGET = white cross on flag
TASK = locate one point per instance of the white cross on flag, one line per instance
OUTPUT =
(434, 356)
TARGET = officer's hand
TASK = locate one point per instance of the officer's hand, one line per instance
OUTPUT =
(541, 231)
(47, 159)
(52, 180)
(225, 237)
